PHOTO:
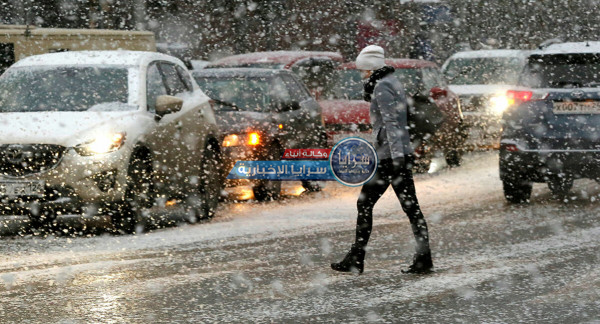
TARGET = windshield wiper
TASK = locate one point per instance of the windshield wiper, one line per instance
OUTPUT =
(225, 103)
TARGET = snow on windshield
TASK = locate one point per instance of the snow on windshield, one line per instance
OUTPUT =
(38, 89)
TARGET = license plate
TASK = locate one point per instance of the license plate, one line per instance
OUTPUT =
(577, 107)
(22, 188)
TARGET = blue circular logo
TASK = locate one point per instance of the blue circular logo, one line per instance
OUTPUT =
(353, 161)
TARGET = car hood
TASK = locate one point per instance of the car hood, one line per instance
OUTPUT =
(61, 128)
(345, 112)
(480, 89)
(240, 121)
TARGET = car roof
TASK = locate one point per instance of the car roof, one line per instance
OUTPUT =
(237, 72)
(570, 48)
(397, 63)
(118, 57)
(491, 53)
(276, 57)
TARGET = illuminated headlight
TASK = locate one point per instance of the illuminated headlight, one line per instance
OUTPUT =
(102, 144)
(251, 139)
(498, 104)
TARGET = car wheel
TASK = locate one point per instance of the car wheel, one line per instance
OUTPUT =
(266, 189)
(210, 183)
(560, 185)
(131, 213)
(517, 191)
(453, 158)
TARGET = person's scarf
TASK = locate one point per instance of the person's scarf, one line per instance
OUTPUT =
(377, 75)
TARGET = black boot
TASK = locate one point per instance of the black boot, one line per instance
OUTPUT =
(422, 264)
(354, 261)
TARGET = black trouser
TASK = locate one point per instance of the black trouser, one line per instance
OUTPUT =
(400, 177)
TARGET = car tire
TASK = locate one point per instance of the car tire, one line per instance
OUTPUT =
(453, 158)
(210, 183)
(517, 191)
(560, 185)
(266, 189)
(130, 216)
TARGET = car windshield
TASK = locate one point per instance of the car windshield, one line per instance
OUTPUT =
(483, 70)
(349, 85)
(37, 89)
(243, 93)
(562, 71)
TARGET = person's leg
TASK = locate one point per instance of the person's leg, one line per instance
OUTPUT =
(404, 187)
(370, 193)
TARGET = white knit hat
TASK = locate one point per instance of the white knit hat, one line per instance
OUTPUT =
(370, 58)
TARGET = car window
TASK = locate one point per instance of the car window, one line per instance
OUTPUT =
(64, 88)
(154, 87)
(278, 91)
(185, 77)
(172, 79)
(412, 80)
(432, 78)
(562, 71)
(297, 91)
(316, 73)
(247, 94)
(347, 85)
(484, 70)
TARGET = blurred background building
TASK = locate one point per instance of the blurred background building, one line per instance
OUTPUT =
(205, 29)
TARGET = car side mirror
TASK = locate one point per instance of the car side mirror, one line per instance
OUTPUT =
(167, 105)
(436, 93)
(288, 106)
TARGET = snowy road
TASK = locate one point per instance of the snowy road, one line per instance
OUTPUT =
(270, 262)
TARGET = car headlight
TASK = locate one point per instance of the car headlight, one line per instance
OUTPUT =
(101, 145)
(251, 139)
(498, 104)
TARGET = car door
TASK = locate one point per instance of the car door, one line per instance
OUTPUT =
(187, 128)
(172, 146)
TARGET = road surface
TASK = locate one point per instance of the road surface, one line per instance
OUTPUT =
(269, 262)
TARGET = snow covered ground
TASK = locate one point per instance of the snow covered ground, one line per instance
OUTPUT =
(269, 262)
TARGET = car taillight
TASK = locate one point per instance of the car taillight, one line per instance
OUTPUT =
(517, 97)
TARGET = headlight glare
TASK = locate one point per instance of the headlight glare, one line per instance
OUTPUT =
(102, 144)
(231, 140)
(498, 104)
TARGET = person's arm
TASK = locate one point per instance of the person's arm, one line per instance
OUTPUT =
(393, 108)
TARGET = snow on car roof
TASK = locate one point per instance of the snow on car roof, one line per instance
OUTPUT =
(396, 63)
(283, 57)
(571, 47)
(490, 53)
(126, 58)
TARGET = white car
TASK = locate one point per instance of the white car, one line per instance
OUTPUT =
(481, 79)
(112, 132)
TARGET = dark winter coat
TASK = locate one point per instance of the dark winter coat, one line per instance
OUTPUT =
(389, 119)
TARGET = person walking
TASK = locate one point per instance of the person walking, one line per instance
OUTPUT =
(389, 118)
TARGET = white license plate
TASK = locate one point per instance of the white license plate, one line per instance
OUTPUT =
(578, 107)
(22, 188)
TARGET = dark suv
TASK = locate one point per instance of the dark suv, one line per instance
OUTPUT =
(262, 112)
(551, 131)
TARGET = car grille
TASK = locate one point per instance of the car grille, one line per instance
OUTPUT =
(22, 160)
(473, 103)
